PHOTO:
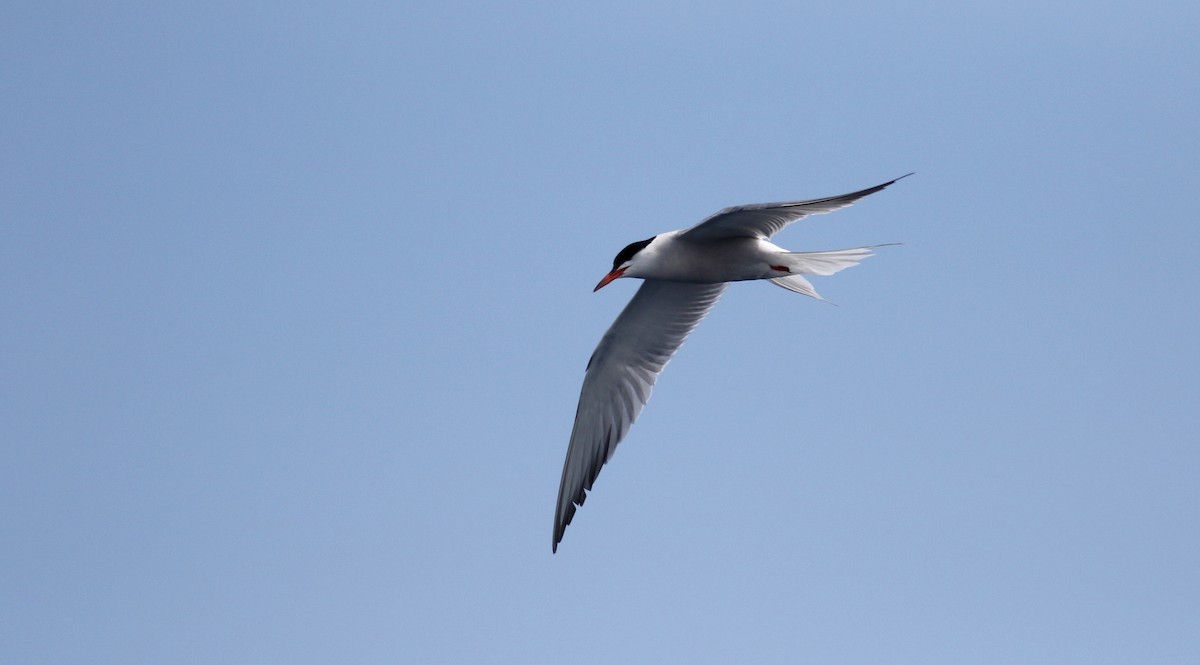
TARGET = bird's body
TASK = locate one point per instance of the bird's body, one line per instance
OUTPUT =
(684, 274)
(674, 257)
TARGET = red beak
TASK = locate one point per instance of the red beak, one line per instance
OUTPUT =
(608, 278)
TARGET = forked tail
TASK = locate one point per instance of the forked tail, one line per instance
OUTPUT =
(818, 263)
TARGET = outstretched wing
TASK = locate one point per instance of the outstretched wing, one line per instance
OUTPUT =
(620, 375)
(763, 220)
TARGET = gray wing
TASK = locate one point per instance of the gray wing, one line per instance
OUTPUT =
(763, 220)
(620, 375)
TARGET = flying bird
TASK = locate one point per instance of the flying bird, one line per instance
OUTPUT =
(683, 274)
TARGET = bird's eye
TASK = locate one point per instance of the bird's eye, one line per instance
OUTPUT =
(630, 250)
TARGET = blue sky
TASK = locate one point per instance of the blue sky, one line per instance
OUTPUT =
(297, 301)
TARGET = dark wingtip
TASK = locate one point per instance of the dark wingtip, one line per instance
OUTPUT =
(560, 528)
(559, 532)
(878, 188)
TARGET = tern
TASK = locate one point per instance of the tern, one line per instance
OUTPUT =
(683, 274)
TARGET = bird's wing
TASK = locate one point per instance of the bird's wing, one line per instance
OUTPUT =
(620, 375)
(763, 220)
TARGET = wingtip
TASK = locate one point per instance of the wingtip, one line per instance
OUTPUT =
(561, 519)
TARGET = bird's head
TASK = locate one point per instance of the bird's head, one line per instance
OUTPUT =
(625, 259)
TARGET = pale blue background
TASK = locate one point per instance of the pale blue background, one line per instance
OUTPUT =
(297, 299)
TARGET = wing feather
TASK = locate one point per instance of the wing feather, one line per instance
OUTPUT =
(620, 375)
(763, 220)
